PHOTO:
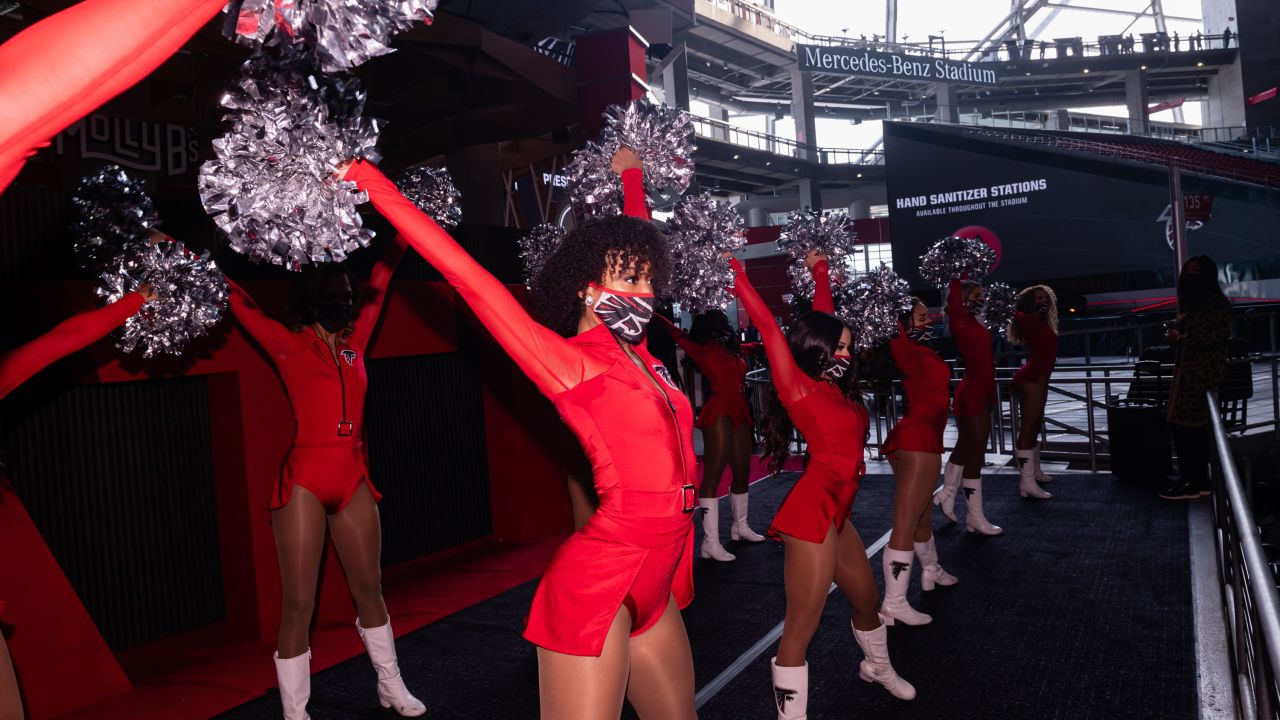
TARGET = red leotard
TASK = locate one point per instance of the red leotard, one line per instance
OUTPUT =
(726, 372)
(633, 423)
(18, 365)
(926, 381)
(326, 393)
(1042, 348)
(834, 427)
(61, 68)
(978, 387)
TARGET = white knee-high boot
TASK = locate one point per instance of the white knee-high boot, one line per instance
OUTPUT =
(293, 675)
(931, 572)
(791, 691)
(974, 520)
(875, 666)
(381, 644)
(740, 530)
(1041, 477)
(946, 498)
(1027, 485)
(711, 547)
(897, 575)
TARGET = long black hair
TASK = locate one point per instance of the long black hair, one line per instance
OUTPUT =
(813, 338)
(584, 256)
(714, 326)
(307, 288)
(1199, 291)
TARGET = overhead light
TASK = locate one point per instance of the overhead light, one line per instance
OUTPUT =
(736, 156)
(1028, 74)
(1144, 67)
(875, 92)
(1086, 71)
(1200, 64)
(859, 174)
(768, 162)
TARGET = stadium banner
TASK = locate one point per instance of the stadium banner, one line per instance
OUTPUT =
(845, 60)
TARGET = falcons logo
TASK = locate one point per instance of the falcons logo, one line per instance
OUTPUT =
(898, 567)
(783, 696)
(661, 371)
(349, 356)
(626, 316)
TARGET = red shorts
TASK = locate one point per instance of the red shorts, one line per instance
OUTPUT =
(332, 472)
(732, 406)
(974, 397)
(915, 433)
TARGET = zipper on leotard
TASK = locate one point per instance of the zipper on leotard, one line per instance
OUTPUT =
(675, 418)
(344, 423)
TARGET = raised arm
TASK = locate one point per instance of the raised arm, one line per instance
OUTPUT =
(375, 295)
(633, 199)
(694, 350)
(788, 378)
(63, 67)
(822, 300)
(549, 360)
(76, 333)
(275, 338)
(956, 314)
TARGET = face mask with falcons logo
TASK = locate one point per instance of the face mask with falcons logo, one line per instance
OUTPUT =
(626, 315)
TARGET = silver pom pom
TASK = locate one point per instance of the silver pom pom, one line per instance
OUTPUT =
(114, 213)
(433, 191)
(191, 297)
(807, 230)
(998, 307)
(875, 303)
(802, 280)
(537, 246)
(701, 231)
(952, 258)
(273, 187)
(343, 33)
(661, 136)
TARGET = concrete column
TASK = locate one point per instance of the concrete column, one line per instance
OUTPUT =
(1059, 120)
(948, 109)
(810, 194)
(1135, 99)
(757, 217)
(859, 210)
(771, 129)
(720, 114)
(802, 111)
(674, 76)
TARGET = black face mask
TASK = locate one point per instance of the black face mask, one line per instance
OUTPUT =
(973, 307)
(626, 314)
(1043, 307)
(922, 334)
(334, 317)
(839, 366)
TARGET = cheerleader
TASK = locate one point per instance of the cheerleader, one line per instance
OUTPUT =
(914, 449)
(815, 393)
(324, 482)
(972, 407)
(16, 367)
(1035, 325)
(606, 615)
(725, 421)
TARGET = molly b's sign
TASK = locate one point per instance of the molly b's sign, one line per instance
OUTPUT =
(854, 61)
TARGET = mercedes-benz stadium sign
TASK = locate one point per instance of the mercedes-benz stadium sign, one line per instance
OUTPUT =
(855, 61)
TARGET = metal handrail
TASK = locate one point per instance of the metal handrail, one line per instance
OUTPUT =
(719, 130)
(1249, 585)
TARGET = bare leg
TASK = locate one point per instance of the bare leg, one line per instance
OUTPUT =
(299, 532)
(717, 443)
(1031, 401)
(853, 577)
(915, 476)
(661, 683)
(572, 687)
(974, 431)
(357, 535)
(807, 571)
(10, 700)
(740, 459)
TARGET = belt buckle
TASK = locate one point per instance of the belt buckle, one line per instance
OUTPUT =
(689, 497)
(346, 428)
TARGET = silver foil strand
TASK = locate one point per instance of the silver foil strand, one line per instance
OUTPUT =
(998, 307)
(954, 258)
(433, 191)
(807, 230)
(191, 297)
(700, 232)
(273, 186)
(113, 213)
(537, 246)
(875, 303)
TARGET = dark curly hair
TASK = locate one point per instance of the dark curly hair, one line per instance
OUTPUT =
(306, 288)
(584, 256)
(812, 338)
(714, 326)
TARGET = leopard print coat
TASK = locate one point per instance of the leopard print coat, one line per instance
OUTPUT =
(1201, 362)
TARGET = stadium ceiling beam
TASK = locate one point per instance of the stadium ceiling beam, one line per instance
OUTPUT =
(1021, 13)
(1126, 13)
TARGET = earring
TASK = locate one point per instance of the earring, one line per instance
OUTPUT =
(587, 300)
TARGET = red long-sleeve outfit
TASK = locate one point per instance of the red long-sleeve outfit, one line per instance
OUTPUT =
(834, 427)
(326, 391)
(17, 366)
(926, 381)
(634, 425)
(61, 68)
(725, 370)
(1042, 348)
(977, 389)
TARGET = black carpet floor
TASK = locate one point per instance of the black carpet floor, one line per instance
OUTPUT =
(1082, 609)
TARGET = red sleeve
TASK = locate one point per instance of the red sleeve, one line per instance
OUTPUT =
(63, 67)
(695, 351)
(788, 378)
(956, 314)
(633, 199)
(822, 300)
(76, 333)
(375, 295)
(553, 363)
(276, 339)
